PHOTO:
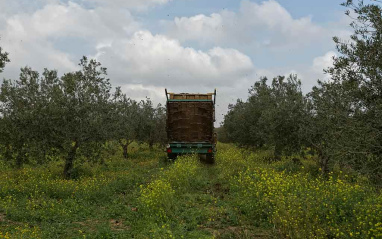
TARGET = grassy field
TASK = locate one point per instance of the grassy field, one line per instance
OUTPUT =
(147, 197)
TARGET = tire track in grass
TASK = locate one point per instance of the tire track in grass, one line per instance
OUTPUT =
(190, 199)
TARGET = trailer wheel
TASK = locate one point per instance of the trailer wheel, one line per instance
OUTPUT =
(210, 158)
(171, 156)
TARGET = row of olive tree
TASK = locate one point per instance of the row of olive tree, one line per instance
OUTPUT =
(47, 115)
(340, 119)
(138, 121)
(272, 115)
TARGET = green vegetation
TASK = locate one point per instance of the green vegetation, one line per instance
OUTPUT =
(79, 160)
(72, 116)
(242, 196)
(3, 59)
(339, 120)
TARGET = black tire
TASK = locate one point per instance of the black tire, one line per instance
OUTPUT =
(210, 158)
(171, 156)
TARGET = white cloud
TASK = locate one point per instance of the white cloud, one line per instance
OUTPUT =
(310, 75)
(267, 23)
(140, 92)
(30, 38)
(321, 63)
(56, 33)
(29, 6)
(202, 28)
(129, 4)
(146, 64)
(158, 60)
(143, 63)
(307, 74)
(58, 20)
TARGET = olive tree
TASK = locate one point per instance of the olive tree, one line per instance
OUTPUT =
(126, 120)
(356, 76)
(329, 118)
(83, 110)
(284, 115)
(25, 105)
(159, 135)
(238, 132)
(273, 115)
(152, 124)
(3, 59)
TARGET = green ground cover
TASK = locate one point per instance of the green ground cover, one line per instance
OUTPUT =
(145, 196)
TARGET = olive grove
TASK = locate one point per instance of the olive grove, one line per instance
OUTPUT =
(340, 119)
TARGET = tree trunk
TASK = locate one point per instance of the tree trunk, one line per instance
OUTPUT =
(125, 153)
(324, 165)
(324, 161)
(19, 160)
(69, 161)
(8, 155)
(278, 152)
(20, 156)
(124, 147)
(151, 145)
(42, 159)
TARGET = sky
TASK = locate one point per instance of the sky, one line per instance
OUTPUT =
(183, 45)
